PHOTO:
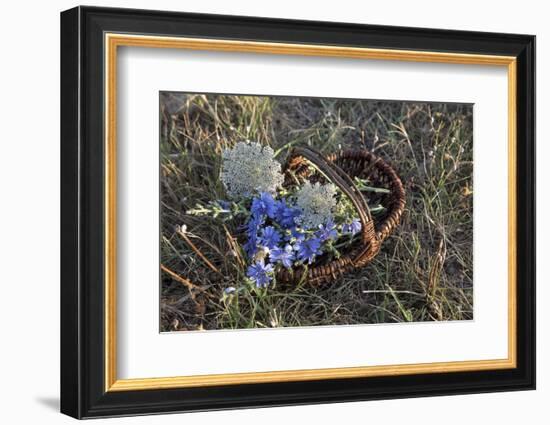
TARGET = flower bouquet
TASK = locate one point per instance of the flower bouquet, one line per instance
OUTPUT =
(309, 221)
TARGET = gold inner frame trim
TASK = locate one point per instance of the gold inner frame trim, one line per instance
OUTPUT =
(113, 41)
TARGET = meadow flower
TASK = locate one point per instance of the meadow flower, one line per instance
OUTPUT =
(229, 290)
(254, 223)
(260, 273)
(294, 234)
(353, 227)
(285, 256)
(316, 203)
(250, 168)
(251, 246)
(270, 237)
(252, 228)
(327, 231)
(308, 249)
(263, 205)
(285, 215)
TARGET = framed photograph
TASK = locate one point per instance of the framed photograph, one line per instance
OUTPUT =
(261, 212)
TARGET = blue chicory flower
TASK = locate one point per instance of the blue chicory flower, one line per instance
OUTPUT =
(308, 249)
(285, 215)
(270, 237)
(251, 246)
(254, 224)
(285, 256)
(264, 205)
(295, 234)
(260, 273)
(353, 227)
(252, 228)
(327, 231)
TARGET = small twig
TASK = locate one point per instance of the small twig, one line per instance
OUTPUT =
(434, 309)
(381, 291)
(191, 286)
(187, 283)
(234, 246)
(210, 244)
(406, 313)
(198, 252)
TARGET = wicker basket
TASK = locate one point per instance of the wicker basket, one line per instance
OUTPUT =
(340, 168)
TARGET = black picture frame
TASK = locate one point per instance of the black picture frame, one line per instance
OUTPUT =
(82, 219)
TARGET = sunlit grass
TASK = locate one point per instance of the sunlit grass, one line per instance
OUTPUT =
(424, 270)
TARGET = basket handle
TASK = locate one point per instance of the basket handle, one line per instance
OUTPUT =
(341, 179)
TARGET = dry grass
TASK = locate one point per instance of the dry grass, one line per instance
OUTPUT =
(424, 270)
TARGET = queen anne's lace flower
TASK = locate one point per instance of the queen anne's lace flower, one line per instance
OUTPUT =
(250, 168)
(316, 203)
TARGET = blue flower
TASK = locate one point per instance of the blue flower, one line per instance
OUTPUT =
(270, 237)
(251, 245)
(263, 205)
(353, 227)
(229, 290)
(283, 256)
(285, 215)
(253, 225)
(295, 234)
(327, 231)
(308, 249)
(260, 273)
(252, 228)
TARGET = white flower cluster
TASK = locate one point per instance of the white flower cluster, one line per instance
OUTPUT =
(316, 203)
(249, 168)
